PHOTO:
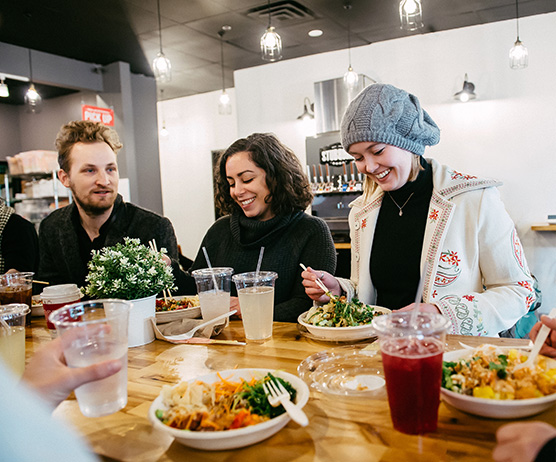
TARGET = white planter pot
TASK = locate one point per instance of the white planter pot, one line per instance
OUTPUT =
(140, 328)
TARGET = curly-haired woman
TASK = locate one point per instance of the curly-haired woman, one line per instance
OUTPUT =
(262, 188)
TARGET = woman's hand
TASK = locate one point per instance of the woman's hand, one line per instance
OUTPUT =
(549, 347)
(49, 375)
(521, 441)
(424, 307)
(313, 290)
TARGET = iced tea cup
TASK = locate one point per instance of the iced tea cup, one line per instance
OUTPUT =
(412, 362)
(256, 302)
(55, 297)
(17, 288)
(92, 332)
(12, 336)
(213, 287)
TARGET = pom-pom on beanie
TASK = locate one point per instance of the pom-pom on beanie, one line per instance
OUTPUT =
(385, 114)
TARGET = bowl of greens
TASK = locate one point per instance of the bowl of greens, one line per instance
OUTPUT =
(340, 320)
(224, 410)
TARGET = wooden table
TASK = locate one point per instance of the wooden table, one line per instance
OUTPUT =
(339, 428)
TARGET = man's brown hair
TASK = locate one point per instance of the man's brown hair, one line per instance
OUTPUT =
(83, 131)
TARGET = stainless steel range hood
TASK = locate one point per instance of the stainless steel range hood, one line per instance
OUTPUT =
(331, 100)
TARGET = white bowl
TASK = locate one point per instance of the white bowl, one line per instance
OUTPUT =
(496, 409)
(237, 438)
(341, 334)
(193, 312)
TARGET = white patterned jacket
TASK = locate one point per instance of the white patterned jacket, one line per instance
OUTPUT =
(477, 273)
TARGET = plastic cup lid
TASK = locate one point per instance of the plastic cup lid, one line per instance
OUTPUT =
(13, 311)
(60, 291)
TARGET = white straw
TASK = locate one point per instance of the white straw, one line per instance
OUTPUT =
(259, 263)
(210, 267)
(415, 312)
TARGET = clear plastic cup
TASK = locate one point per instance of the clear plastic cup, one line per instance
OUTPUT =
(17, 288)
(214, 299)
(412, 362)
(256, 302)
(12, 336)
(92, 332)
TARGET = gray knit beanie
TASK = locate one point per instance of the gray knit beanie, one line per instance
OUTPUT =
(385, 114)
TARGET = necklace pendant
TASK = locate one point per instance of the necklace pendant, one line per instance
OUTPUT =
(401, 213)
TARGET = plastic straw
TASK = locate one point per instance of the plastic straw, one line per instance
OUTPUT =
(259, 263)
(210, 267)
(415, 312)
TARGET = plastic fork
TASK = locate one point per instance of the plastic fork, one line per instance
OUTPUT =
(191, 333)
(539, 341)
(277, 394)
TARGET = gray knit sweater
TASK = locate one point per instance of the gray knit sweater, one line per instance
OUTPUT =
(235, 241)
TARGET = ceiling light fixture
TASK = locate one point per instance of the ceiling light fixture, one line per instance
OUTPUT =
(350, 77)
(224, 103)
(4, 91)
(271, 43)
(315, 33)
(32, 98)
(308, 110)
(467, 93)
(411, 15)
(163, 131)
(519, 56)
(162, 66)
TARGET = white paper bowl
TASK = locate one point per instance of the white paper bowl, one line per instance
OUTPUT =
(496, 409)
(237, 438)
(193, 312)
(341, 334)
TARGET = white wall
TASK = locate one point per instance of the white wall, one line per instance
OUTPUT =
(508, 133)
(195, 129)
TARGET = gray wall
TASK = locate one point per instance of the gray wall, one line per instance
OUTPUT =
(10, 142)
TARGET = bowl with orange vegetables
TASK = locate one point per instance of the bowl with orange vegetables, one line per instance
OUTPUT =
(224, 410)
(483, 382)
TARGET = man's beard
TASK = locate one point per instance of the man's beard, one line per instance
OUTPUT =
(93, 210)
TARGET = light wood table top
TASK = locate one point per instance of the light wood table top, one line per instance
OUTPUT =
(339, 428)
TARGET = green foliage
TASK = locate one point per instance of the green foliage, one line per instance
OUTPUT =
(128, 271)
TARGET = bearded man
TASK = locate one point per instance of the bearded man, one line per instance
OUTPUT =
(98, 216)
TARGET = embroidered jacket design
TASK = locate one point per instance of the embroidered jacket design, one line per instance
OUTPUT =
(448, 269)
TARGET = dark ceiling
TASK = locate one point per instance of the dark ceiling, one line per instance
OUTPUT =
(104, 31)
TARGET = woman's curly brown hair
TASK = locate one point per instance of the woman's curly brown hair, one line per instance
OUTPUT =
(289, 186)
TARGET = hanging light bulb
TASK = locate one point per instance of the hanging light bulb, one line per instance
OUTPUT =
(519, 56)
(224, 102)
(271, 43)
(411, 15)
(32, 98)
(351, 78)
(163, 131)
(467, 93)
(4, 91)
(162, 66)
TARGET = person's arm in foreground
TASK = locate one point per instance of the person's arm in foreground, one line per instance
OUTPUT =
(48, 374)
(522, 441)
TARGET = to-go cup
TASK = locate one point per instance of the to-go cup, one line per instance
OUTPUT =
(92, 332)
(214, 299)
(12, 336)
(256, 302)
(412, 362)
(55, 297)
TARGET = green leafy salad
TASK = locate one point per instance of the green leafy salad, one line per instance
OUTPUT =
(338, 312)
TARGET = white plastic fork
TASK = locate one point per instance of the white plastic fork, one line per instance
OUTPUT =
(191, 333)
(277, 394)
(539, 341)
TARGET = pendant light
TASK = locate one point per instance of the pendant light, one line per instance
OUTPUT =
(411, 15)
(519, 56)
(4, 91)
(271, 43)
(32, 98)
(163, 131)
(162, 66)
(224, 103)
(467, 93)
(350, 77)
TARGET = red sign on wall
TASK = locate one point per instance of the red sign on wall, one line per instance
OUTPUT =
(98, 114)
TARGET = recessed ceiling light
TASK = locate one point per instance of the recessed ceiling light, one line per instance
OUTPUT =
(315, 33)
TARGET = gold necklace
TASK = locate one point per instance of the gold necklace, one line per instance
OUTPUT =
(405, 203)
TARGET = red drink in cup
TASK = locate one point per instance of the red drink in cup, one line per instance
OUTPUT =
(413, 371)
(412, 361)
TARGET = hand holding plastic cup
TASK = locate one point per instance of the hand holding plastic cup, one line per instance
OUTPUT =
(256, 301)
(12, 336)
(213, 287)
(92, 332)
(412, 360)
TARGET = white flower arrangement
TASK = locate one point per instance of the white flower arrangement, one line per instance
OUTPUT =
(128, 271)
